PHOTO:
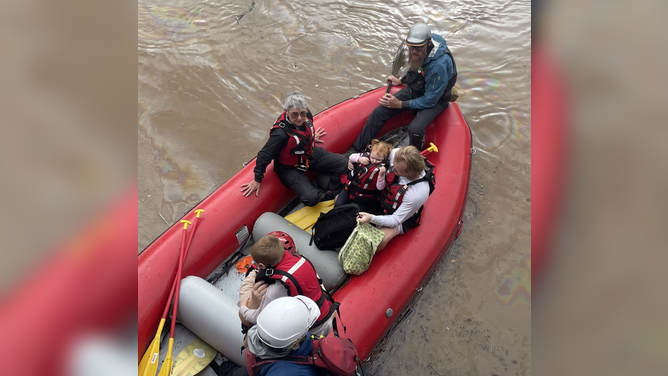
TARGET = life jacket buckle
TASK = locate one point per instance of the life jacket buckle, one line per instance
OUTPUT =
(269, 272)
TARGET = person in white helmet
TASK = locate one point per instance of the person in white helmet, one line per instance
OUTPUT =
(429, 81)
(282, 330)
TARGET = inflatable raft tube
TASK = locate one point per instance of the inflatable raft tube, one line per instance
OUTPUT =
(212, 316)
(326, 263)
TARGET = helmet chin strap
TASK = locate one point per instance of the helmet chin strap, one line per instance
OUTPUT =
(298, 343)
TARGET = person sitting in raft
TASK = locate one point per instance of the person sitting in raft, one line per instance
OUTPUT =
(429, 81)
(291, 146)
(409, 184)
(367, 175)
(282, 330)
(276, 260)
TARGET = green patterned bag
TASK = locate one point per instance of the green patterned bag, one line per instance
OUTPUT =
(357, 253)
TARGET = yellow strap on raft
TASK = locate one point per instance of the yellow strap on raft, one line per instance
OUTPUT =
(305, 217)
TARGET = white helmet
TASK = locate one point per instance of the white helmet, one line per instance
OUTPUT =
(286, 320)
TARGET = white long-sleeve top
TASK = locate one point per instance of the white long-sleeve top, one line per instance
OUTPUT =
(416, 195)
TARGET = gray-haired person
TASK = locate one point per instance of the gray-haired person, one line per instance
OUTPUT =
(291, 146)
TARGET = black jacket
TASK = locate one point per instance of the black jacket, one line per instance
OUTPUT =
(278, 139)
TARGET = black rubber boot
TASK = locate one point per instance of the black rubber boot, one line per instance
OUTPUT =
(417, 141)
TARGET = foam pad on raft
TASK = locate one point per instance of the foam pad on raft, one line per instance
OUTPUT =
(212, 315)
(326, 263)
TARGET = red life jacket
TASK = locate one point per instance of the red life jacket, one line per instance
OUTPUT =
(393, 194)
(297, 152)
(300, 278)
(363, 178)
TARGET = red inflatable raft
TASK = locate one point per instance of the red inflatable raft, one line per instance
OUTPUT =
(370, 303)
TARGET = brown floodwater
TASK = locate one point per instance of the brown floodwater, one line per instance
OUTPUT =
(212, 77)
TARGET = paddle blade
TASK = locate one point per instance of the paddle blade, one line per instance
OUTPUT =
(305, 217)
(149, 362)
(400, 59)
(194, 358)
(166, 368)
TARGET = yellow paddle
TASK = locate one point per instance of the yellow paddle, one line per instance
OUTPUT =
(149, 362)
(194, 358)
(305, 217)
(167, 363)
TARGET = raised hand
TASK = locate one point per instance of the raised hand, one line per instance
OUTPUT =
(319, 134)
(381, 172)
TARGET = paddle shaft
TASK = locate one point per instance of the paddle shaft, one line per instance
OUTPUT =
(395, 63)
(178, 282)
(171, 293)
(166, 368)
(389, 86)
(148, 365)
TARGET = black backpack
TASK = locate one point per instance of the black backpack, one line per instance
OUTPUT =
(333, 228)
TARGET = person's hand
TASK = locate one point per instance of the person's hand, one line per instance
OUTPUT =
(350, 166)
(364, 217)
(318, 134)
(390, 101)
(381, 173)
(248, 188)
(363, 160)
(259, 289)
(395, 81)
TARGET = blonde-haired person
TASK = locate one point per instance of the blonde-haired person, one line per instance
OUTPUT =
(402, 205)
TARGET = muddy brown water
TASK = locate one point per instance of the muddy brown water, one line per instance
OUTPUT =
(212, 77)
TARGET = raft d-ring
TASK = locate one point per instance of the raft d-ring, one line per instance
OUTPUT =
(472, 151)
(461, 227)
(185, 223)
(419, 289)
(198, 212)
